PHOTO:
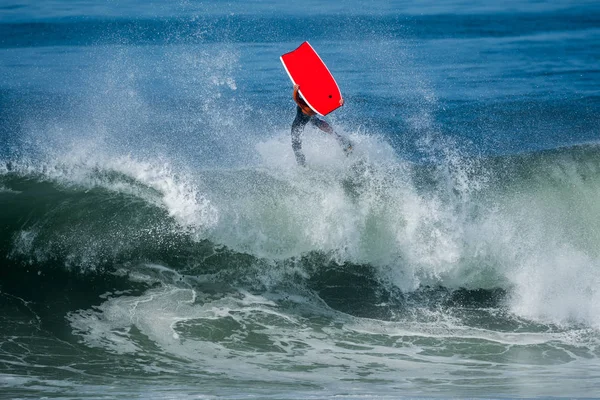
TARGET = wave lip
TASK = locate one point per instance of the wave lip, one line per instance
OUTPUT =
(158, 185)
(91, 213)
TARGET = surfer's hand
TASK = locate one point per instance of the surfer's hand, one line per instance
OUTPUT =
(341, 102)
(296, 87)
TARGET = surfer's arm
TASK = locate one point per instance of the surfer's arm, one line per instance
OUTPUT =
(298, 99)
(296, 96)
(301, 103)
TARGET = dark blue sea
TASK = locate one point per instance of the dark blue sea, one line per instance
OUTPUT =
(158, 240)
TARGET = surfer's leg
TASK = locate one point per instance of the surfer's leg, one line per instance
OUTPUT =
(325, 127)
(297, 127)
(321, 124)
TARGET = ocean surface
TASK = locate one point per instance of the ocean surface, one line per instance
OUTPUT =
(158, 240)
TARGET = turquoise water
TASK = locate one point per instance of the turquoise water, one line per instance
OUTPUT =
(158, 240)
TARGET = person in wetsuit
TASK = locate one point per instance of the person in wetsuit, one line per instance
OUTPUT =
(304, 115)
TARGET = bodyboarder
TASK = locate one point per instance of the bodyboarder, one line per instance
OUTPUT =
(304, 115)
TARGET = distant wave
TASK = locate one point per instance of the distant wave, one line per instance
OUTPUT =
(84, 31)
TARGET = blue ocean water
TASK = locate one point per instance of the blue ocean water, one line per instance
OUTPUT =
(158, 239)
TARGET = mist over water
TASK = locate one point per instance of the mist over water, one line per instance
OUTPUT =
(159, 239)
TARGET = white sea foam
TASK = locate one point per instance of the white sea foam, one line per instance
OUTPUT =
(460, 232)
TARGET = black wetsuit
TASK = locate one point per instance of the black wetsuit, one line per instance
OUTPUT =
(298, 126)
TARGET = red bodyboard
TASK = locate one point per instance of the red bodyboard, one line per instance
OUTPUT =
(317, 86)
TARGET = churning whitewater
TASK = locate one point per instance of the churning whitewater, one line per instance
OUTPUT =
(386, 266)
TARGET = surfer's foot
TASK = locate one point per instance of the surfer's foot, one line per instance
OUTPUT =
(346, 146)
(301, 160)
